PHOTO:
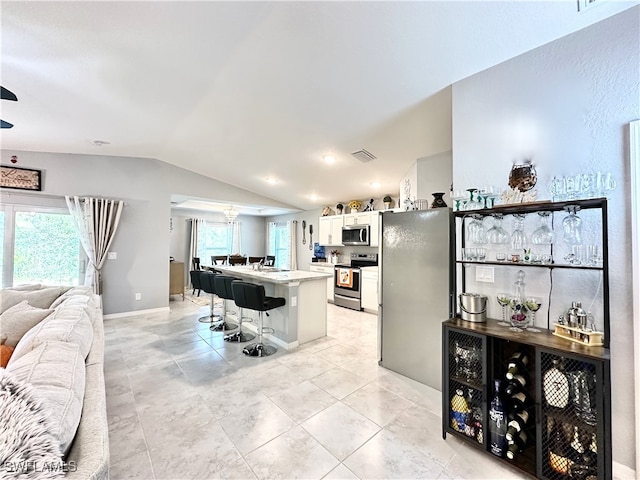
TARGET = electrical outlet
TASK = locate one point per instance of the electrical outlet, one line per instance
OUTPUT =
(112, 255)
(138, 296)
(485, 274)
(294, 301)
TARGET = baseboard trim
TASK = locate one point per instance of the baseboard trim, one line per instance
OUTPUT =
(134, 313)
(622, 472)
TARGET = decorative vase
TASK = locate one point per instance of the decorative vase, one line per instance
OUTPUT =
(523, 177)
(438, 201)
(354, 210)
(387, 205)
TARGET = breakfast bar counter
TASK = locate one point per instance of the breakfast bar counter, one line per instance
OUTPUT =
(304, 316)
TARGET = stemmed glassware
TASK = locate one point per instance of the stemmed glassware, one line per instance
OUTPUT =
(543, 235)
(460, 198)
(572, 226)
(533, 304)
(474, 200)
(518, 237)
(496, 234)
(503, 300)
(476, 232)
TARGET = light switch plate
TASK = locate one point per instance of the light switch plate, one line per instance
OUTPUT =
(485, 274)
(112, 255)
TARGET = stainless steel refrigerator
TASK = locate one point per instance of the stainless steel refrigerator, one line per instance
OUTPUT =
(414, 292)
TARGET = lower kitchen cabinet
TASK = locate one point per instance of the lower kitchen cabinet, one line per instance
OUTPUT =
(556, 397)
(369, 289)
(325, 269)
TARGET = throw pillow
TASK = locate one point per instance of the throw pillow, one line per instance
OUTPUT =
(56, 372)
(28, 449)
(67, 323)
(5, 355)
(42, 298)
(19, 319)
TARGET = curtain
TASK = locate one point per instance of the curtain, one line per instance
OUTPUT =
(236, 238)
(293, 239)
(193, 243)
(97, 222)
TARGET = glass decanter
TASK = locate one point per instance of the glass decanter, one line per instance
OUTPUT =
(519, 317)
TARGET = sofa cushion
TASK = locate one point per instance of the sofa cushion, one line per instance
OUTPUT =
(19, 319)
(80, 292)
(26, 287)
(28, 445)
(42, 298)
(67, 323)
(57, 373)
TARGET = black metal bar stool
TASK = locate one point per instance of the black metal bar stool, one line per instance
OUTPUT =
(205, 282)
(252, 296)
(223, 290)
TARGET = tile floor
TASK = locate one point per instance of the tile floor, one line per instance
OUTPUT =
(184, 404)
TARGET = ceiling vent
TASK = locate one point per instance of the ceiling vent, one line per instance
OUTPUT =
(363, 155)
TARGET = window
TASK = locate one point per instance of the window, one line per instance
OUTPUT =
(41, 245)
(213, 239)
(280, 243)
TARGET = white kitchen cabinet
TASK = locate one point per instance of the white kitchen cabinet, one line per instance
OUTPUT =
(330, 230)
(369, 289)
(360, 218)
(325, 269)
(374, 231)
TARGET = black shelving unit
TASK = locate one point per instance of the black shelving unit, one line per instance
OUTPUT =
(591, 365)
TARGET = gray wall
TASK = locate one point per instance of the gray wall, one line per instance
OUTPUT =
(566, 105)
(143, 238)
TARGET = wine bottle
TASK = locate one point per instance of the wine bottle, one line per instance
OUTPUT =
(515, 384)
(582, 462)
(517, 444)
(517, 364)
(555, 386)
(559, 450)
(497, 424)
(517, 423)
(518, 402)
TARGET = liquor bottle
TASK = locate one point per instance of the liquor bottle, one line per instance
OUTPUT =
(474, 419)
(497, 424)
(459, 411)
(559, 450)
(555, 386)
(582, 463)
(515, 384)
(517, 364)
(517, 423)
(517, 444)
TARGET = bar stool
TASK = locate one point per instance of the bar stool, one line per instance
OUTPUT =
(205, 282)
(223, 290)
(252, 296)
(226, 289)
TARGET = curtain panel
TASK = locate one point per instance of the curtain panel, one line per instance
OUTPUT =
(97, 221)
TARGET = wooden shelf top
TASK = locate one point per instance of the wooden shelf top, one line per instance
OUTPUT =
(544, 339)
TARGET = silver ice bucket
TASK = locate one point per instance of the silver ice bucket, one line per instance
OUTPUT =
(473, 307)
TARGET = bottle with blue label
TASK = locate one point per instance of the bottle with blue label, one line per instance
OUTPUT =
(497, 424)
(459, 411)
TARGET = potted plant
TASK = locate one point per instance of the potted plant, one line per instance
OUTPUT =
(334, 256)
(387, 201)
(339, 208)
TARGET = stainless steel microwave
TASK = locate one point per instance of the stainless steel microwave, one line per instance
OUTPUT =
(355, 235)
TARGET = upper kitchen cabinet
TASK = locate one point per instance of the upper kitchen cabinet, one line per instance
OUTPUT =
(360, 218)
(330, 230)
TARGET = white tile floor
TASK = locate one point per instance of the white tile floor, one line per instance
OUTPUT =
(184, 404)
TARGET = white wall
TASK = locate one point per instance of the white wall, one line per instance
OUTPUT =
(566, 105)
(143, 238)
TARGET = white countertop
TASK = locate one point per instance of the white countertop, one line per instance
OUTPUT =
(246, 271)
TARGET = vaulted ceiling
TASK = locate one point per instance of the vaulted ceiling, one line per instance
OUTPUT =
(242, 91)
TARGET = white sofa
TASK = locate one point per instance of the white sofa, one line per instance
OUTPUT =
(61, 357)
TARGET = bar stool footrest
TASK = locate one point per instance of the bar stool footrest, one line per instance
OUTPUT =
(223, 327)
(239, 337)
(259, 350)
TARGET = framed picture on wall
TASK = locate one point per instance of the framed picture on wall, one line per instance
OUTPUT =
(20, 178)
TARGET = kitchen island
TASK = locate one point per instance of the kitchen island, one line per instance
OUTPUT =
(303, 318)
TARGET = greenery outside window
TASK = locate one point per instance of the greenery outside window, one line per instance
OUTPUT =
(214, 238)
(280, 243)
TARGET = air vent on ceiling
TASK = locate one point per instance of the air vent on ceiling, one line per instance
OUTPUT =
(363, 155)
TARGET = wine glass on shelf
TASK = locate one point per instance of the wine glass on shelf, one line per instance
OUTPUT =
(503, 300)
(496, 234)
(476, 232)
(518, 237)
(543, 235)
(459, 198)
(572, 226)
(533, 304)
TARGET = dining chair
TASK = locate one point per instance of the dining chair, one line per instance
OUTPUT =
(219, 259)
(256, 259)
(270, 260)
(237, 260)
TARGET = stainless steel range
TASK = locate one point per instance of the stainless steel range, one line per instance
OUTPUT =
(347, 284)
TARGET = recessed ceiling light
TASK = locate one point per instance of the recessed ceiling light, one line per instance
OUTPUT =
(99, 143)
(375, 184)
(329, 159)
(313, 197)
(271, 180)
